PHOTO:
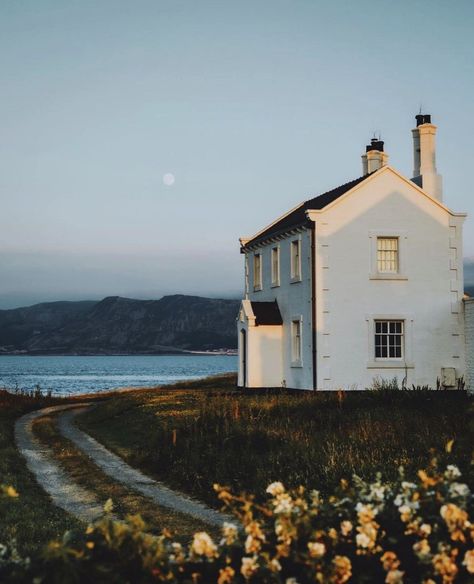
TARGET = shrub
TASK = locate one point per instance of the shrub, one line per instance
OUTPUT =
(400, 532)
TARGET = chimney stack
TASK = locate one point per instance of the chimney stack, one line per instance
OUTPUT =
(374, 157)
(424, 156)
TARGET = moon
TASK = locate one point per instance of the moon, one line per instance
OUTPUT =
(168, 179)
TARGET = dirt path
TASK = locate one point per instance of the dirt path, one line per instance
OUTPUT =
(65, 494)
(120, 471)
(77, 500)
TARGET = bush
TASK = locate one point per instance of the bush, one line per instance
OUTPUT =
(399, 532)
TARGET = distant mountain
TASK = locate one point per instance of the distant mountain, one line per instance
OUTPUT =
(120, 326)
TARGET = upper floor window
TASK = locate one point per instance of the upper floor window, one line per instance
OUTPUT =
(296, 260)
(387, 255)
(257, 271)
(275, 266)
(389, 337)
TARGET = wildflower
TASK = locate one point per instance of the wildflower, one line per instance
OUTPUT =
(390, 561)
(405, 513)
(458, 490)
(249, 567)
(456, 519)
(275, 489)
(11, 492)
(346, 527)
(226, 575)
(426, 480)
(445, 567)
(342, 569)
(291, 581)
(203, 545)
(425, 529)
(394, 577)
(283, 503)
(252, 544)
(108, 506)
(365, 513)
(316, 549)
(275, 565)
(469, 561)
(363, 540)
(452, 472)
(422, 549)
(230, 533)
(178, 553)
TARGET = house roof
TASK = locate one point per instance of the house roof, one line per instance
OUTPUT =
(266, 313)
(297, 216)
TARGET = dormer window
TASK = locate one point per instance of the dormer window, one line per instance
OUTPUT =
(387, 255)
(257, 271)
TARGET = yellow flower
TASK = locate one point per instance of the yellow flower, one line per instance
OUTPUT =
(469, 561)
(346, 528)
(394, 577)
(11, 492)
(445, 567)
(230, 533)
(390, 561)
(203, 545)
(422, 549)
(456, 520)
(226, 575)
(108, 506)
(316, 549)
(249, 567)
(342, 569)
(90, 545)
(275, 489)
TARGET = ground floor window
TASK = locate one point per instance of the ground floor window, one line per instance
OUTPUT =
(389, 336)
(296, 341)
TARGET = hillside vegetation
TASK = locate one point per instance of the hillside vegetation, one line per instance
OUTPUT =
(120, 326)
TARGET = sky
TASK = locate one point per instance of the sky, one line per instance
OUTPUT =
(139, 140)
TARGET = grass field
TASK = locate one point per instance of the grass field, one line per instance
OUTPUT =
(201, 433)
(31, 519)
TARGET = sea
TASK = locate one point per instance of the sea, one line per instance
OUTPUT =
(69, 375)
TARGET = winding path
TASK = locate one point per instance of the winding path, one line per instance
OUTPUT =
(76, 500)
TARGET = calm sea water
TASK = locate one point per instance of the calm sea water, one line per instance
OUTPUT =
(71, 375)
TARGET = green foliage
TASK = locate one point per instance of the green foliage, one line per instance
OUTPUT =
(398, 532)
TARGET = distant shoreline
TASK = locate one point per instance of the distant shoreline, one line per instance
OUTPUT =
(223, 353)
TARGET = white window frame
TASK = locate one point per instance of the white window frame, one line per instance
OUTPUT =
(296, 325)
(387, 335)
(275, 276)
(295, 266)
(406, 361)
(374, 236)
(386, 249)
(257, 281)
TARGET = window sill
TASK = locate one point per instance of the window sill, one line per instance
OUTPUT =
(296, 364)
(389, 364)
(295, 280)
(387, 276)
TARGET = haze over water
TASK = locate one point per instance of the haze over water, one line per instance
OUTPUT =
(68, 375)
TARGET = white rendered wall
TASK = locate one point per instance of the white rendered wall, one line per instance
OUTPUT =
(429, 299)
(469, 327)
(294, 300)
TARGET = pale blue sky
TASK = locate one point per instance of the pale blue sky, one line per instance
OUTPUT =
(252, 105)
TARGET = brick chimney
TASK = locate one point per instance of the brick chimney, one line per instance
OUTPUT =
(425, 174)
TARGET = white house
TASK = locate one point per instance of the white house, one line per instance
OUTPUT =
(362, 282)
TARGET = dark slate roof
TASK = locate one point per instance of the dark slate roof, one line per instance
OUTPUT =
(266, 313)
(298, 216)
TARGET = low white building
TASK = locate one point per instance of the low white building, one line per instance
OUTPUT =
(362, 282)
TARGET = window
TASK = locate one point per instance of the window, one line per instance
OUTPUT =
(295, 260)
(389, 336)
(387, 255)
(275, 266)
(257, 272)
(296, 342)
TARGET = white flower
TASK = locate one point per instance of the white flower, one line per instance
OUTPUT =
(275, 489)
(469, 561)
(394, 577)
(275, 565)
(283, 504)
(458, 490)
(452, 472)
(230, 532)
(346, 527)
(363, 540)
(425, 529)
(316, 549)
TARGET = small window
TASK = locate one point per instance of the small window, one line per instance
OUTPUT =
(296, 341)
(295, 260)
(275, 266)
(257, 271)
(387, 255)
(389, 336)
